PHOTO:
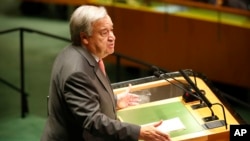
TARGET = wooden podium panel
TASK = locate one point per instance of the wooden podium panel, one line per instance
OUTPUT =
(175, 107)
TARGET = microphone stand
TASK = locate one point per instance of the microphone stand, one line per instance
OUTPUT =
(208, 125)
(202, 104)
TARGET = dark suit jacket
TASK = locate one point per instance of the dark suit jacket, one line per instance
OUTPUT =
(82, 106)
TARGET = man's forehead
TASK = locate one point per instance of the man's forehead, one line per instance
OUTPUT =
(103, 23)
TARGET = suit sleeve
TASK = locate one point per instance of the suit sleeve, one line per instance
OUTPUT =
(82, 96)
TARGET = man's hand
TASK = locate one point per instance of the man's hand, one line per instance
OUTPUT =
(150, 133)
(126, 99)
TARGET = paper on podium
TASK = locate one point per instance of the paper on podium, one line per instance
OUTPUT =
(170, 125)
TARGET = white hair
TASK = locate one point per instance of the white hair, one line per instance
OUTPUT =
(81, 21)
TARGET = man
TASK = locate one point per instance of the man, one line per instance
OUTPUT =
(82, 106)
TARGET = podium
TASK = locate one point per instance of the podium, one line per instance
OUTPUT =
(164, 101)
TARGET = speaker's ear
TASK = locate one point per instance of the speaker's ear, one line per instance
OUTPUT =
(84, 38)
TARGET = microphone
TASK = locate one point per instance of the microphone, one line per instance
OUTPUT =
(187, 92)
(208, 125)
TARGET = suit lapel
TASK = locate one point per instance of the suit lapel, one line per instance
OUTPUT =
(104, 80)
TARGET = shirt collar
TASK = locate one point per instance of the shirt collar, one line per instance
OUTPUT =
(96, 58)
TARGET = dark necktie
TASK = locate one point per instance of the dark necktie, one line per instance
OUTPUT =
(102, 67)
